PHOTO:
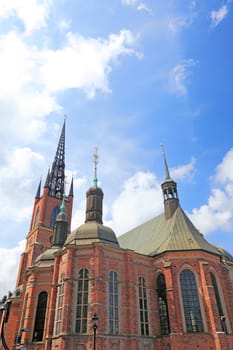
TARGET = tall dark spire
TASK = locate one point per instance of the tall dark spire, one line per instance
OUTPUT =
(56, 177)
(169, 188)
(94, 205)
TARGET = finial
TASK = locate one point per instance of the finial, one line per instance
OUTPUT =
(167, 175)
(65, 116)
(95, 158)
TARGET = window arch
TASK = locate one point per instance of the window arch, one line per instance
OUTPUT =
(191, 305)
(162, 305)
(113, 303)
(143, 308)
(218, 302)
(82, 301)
(55, 212)
(40, 317)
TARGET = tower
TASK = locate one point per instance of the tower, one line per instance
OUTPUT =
(46, 208)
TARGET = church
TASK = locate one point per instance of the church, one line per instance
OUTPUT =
(160, 286)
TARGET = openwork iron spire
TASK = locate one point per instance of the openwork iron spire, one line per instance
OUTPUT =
(56, 177)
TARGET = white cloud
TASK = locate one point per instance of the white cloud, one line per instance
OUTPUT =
(85, 62)
(17, 175)
(177, 23)
(10, 257)
(140, 200)
(218, 212)
(224, 171)
(30, 81)
(140, 6)
(184, 172)
(218, 16)
(32, 13)
(179, 76)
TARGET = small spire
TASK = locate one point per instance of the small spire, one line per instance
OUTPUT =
(95, 157)
(47, 179)
(38, 190)
(167, 174)
(71, 193)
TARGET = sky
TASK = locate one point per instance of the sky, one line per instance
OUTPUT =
(130, 75)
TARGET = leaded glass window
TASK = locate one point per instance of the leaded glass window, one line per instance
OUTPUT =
(82, 301)
(113, 303)
(40, 317)
(218, 302)
(162, 305)
(143, 308)
(60, 298)
(192, 311)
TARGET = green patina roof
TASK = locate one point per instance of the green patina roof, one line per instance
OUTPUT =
(92, 232)
(159, 235)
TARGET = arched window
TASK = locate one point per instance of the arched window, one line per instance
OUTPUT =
(143, 308)
(59, 307)
(162, 305)
(218, 302)
(36, 217)
(40, 317)
(82, 301)
(192, 311)
(113, 303)
(55, 212)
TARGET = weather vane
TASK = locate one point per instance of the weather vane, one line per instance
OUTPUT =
(95, 158)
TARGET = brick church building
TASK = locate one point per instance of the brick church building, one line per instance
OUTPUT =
(159, 286)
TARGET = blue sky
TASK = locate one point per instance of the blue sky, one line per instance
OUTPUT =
(129, 75)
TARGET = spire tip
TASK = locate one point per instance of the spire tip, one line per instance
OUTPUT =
(95, 160)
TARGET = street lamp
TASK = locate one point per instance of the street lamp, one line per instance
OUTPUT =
(95, 319)
(6, 308)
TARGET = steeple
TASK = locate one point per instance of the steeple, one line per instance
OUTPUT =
(71, 193)
(95, 196)
(56, 176)
(38, 191)
(169, 188)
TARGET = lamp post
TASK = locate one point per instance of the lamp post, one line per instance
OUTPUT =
(6, 308)
(95, 319)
